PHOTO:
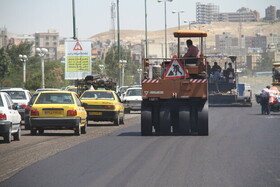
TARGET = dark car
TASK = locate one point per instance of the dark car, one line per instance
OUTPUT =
(27, 111)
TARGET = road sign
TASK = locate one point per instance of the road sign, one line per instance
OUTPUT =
(175, 69)
(77, 46)
(77, 59)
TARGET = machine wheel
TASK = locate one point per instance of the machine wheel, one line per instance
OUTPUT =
(165, 121)
(8, 136)
(41, 131)
(84, 128)
(33, 131)
(202, 121)
(146, 121)
(183, 125)
(17, 135)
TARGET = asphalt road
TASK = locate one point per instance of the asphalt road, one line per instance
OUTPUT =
(242, 149)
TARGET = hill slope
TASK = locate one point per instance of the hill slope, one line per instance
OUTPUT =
(247, 29)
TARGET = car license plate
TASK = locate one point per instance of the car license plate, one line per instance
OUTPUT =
(95, 113)
(53, 112)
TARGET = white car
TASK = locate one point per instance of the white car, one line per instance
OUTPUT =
(9, 118)
(19, 96)
(132, 99)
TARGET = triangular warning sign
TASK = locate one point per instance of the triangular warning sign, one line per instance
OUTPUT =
(175, 70)
(77, 46)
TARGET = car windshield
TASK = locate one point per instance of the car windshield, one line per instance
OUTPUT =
(33, 98)
(98, 95)
(16, 95)
(134, 92)
(55, 98)
(1, 102)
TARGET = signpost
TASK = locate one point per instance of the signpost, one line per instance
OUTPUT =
(77, 59)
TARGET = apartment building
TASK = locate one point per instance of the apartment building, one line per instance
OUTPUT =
(50, 41)
(206, 13)
(270, 13)
(3, 37)
(241, 15)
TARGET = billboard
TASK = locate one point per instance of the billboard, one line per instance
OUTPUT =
(77, 59)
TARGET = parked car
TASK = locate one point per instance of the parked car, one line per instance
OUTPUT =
(132, 99)
(27, 111)
(9, 119)
(19, 96)
(58, 110)
(103, 105)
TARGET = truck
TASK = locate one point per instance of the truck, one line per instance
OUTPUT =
(175, 92)
(96, 82)
(228, 92)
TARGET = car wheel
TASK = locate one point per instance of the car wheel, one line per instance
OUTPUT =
(17, 135)
(84, 128)
(126, 111)
(8, 136)
(77, 131)
(117, 120)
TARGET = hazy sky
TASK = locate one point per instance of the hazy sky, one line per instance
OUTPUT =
(93, 16)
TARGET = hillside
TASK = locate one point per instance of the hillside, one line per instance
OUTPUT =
(248, 29)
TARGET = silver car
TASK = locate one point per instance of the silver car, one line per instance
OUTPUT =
(132, 99)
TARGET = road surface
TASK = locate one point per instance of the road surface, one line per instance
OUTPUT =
(242, 149)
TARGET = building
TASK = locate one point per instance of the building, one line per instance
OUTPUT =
(242, 15)
(206, 13)
(258, 41)
(270, 13)
(273, 42)
(50, 41)
(3, 37)
(228, 44)
(278, 14)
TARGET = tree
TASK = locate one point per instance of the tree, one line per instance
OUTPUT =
(5, 61)
(112, 67)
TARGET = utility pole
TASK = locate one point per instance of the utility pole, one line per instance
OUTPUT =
(74, 20)
(119, 53)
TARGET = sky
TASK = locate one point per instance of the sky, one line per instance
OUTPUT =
(93, 16)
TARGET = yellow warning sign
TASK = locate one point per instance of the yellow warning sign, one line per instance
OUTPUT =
(76, 63)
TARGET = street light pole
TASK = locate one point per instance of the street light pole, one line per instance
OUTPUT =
(23, 58)
(42, 52)
(178, 17)
(123, 63)
(140, 72)
(146, 35)
(190, 22)
(119, 53)
(165, 24)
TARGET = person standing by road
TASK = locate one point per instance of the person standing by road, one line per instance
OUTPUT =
(265, 108)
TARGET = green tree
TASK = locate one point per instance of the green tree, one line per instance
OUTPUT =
(5, 61)
(112, 66)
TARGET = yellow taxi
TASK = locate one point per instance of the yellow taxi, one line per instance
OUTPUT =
(58, 110)
(103, 105)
